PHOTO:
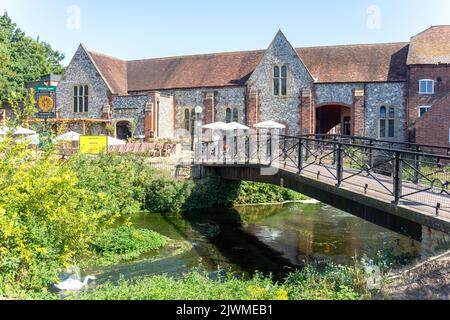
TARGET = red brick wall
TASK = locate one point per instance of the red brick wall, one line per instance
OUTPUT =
(253, 108)
(305, 109)
(415, 100)
(433, 127)
(358, 116)
(209, 104)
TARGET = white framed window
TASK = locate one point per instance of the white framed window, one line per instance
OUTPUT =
(423, 110)
(426, 86)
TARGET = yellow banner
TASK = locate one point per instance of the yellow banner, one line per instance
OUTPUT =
(93, 145)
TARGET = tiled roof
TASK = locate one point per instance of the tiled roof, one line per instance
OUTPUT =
(356, 63)
(337, 64)
(114, 71)
(209, 70)
(431, 46)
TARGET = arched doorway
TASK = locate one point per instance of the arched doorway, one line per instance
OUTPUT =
(123, 131)
(333, 119)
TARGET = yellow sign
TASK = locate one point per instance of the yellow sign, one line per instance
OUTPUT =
(93, 145)
(46, 104)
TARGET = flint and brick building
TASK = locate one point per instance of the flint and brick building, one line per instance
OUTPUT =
(392, 91)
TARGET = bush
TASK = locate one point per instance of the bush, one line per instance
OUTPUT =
(47, 219)
(334, 283)
(258, 193)
(211, 192)
(166, 195)
(126, 240)
(118, 179)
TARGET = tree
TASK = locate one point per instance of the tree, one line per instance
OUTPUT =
(23, 59)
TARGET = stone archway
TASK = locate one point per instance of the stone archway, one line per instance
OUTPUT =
(333, 119)
(123, 130)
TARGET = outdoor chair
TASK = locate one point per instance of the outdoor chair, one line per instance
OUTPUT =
(158, 150)
(168, 149)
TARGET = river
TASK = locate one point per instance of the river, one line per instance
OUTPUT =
(269, 239)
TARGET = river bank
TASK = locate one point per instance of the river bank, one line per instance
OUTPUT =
(429, 280)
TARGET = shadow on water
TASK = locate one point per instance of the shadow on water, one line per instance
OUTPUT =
(224, 229)
(268, 239)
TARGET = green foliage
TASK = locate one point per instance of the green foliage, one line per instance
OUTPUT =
(335, 283)
(126, 240)
(166, 195)
(192, 286)
(46, 218)
(119, 180)
(258, 193)
(23, 59)
(209, 193)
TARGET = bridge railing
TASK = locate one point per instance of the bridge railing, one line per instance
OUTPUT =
(401, 176)
(390, 144)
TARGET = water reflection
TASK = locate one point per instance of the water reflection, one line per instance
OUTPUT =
(272, 239)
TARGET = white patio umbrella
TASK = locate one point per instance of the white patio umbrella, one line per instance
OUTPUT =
(23, 131)
(216, 126)
(269, 125)
(19, 131)
(115, 142)
(69, 137)
(31, 140)
(232, 126)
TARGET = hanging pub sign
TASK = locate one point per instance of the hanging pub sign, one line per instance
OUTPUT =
(45, 101)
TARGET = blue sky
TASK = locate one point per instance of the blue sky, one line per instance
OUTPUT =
(136, 29)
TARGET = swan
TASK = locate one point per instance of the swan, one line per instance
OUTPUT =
(74, 285)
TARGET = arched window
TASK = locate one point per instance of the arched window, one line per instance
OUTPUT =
(228, 115)
(232, 115)
(235, 115)
(80, 99)
(276, 81)
(280, 75)
(387, 119)
(283, 80)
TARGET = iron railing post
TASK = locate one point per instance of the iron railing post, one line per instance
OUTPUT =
(235, 150)
(269, 145)
(300, 156)
(334, 150)
(247, 139)
(417, 165)
(371, 154)
(258, 148)
(397, 177)
(339, 165)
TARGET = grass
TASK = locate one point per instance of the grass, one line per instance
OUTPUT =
(124, 243)
(334, 283)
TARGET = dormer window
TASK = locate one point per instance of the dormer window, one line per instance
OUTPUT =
(426, 86)
(280, 81)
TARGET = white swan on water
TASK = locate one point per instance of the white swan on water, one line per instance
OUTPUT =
(74, 285)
